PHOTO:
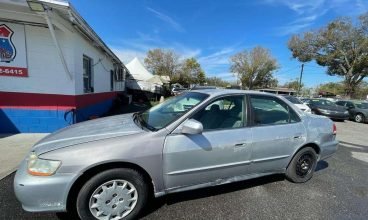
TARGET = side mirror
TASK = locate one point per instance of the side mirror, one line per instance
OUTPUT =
(192, 126)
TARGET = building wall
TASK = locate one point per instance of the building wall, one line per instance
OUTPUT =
(44, 65)
(47, 99)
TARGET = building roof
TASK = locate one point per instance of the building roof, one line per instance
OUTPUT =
(71, 14)
(63, 9)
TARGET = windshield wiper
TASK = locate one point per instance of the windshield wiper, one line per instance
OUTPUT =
(143, 124)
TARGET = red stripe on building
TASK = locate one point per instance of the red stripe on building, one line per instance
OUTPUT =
(51, 101)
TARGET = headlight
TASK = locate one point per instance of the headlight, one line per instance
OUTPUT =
(308, 110)
(41, 167)
(346, 112)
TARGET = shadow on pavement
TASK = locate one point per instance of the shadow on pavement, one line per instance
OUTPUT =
(356, 145)
(210, 191)
(321, 165)
(5, 135)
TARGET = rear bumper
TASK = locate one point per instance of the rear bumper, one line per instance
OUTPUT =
(328, 149)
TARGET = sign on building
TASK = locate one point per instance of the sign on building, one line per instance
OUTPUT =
(13, 56)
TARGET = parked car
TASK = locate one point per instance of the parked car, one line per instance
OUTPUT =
(358, 110)
(108, 168)
(328, 109)
(177, 91)
(298, 103)
(197, 87)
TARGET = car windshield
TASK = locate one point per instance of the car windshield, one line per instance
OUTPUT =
(293, 99)
(322, 102)
(164, 113)
(362, 105)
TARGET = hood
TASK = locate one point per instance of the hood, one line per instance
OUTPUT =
(88, 131)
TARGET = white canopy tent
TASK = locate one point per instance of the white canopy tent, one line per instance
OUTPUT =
(138, 71)
(141, 79)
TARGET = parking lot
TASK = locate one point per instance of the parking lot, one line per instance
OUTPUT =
(338, 190)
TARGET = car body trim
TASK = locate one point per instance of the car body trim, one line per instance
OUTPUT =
(208, 168)
(223, 181)
(270, 158)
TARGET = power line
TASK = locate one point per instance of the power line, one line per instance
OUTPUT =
(287, 70)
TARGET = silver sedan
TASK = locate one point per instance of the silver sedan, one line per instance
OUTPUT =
(108, 168)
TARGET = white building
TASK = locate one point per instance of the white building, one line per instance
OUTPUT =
(54, 69)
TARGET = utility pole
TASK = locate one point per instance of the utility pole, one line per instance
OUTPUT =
(300, 79)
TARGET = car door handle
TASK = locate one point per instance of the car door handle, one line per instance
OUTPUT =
(297, 137)
(240, 144)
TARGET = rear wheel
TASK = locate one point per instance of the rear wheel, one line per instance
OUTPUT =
(302, 166)
(359, 118)
(113, 194)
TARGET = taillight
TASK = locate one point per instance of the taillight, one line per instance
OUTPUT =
(334, 130)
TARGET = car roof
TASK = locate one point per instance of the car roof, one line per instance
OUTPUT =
(216, 92)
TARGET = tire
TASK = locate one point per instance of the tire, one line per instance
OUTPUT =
(295, 172)
(359, 118)
(117, 196)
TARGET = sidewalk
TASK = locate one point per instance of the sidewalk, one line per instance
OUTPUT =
(13, 148)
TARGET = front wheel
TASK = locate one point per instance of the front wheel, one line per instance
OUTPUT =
(113, 194)
(302, 166)
(359, 118)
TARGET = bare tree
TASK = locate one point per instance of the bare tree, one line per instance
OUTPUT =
(254, 68)
(162, 62)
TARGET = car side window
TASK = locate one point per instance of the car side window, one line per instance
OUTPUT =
(341, 103)
(269, 110)
(223, 113)
(349, 105)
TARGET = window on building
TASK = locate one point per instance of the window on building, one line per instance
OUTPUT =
(87, 74)
(120, 74)
(112, 79)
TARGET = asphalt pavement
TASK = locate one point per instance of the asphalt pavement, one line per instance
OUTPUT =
(338, 190)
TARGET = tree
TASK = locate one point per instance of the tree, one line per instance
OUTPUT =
(192, 69)
(337, 88)
(190, 72)
(293, 84)
(162, 62)
(341, 46)
(254, 68)
(216, 81)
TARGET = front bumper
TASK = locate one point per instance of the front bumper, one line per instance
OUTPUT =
(42, 193)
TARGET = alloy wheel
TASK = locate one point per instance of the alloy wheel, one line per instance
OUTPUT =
(358, 118)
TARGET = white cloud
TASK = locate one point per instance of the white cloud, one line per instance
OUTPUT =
(138, 47)
(126, 55)
(217, 59)
(167, 19)
(308, 12)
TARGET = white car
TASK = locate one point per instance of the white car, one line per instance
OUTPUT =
(298, 103)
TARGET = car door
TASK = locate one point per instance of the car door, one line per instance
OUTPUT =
(221, 151)
(277, 131)
(351, 108)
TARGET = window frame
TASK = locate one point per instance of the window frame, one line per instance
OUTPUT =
(252, 114)
(246, 114)
(89, 75)
(350, 103)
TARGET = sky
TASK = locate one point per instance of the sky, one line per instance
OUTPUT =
(212, 31)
